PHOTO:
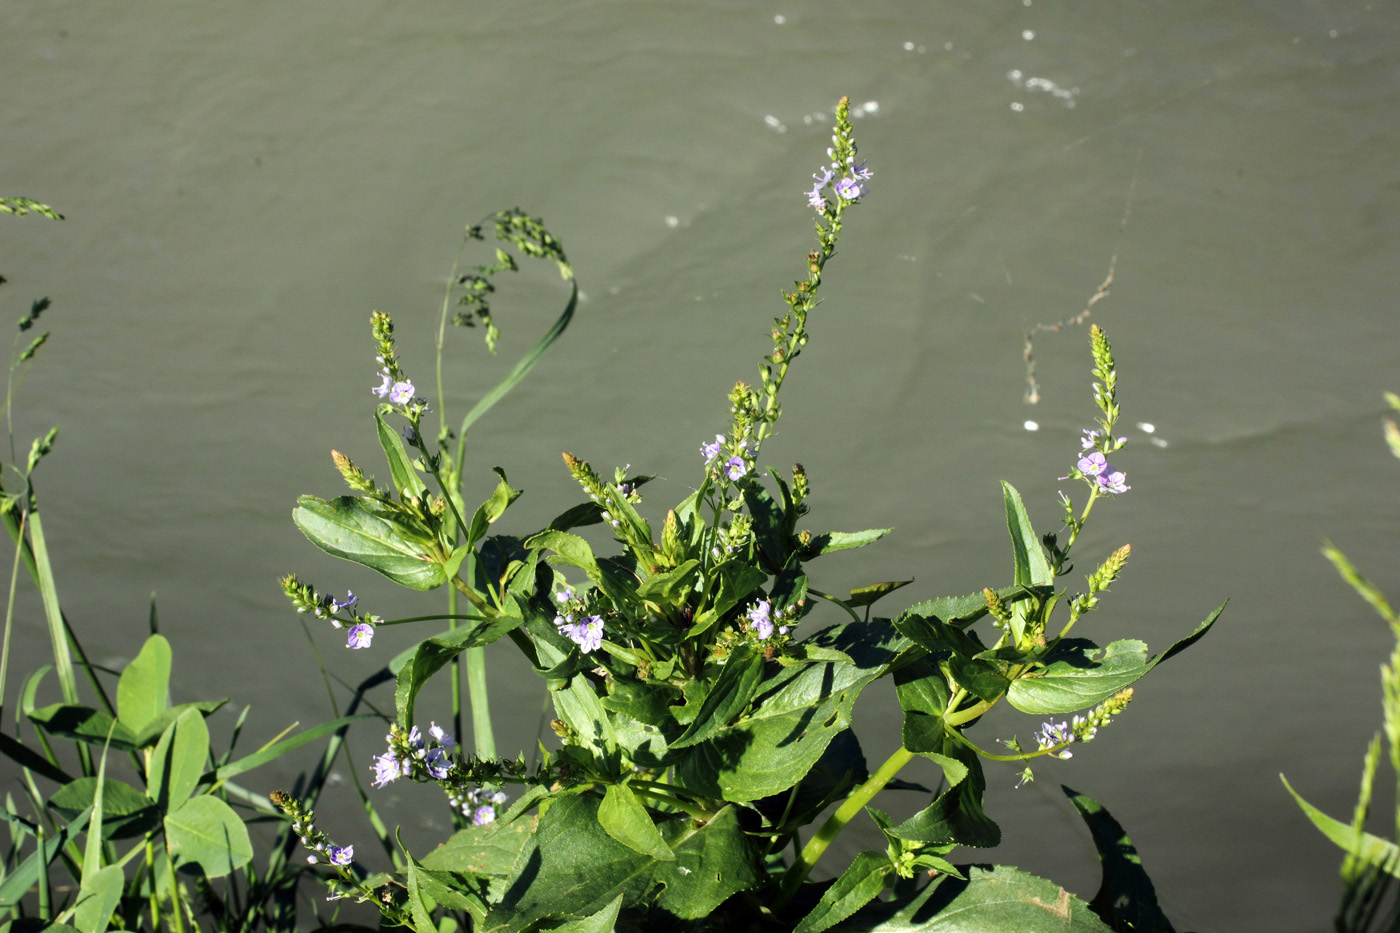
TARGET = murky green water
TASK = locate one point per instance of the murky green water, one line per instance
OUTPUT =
(242, 185)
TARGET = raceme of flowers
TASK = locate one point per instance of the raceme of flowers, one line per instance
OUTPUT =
(339, 612)
(399, 392)
(737, 465)
(1093, 465)
(846, 179)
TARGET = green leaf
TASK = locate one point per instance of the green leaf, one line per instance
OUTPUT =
(432, 654)
(205, 831)
(923, 695)
(345, 528)
(829, 541)
(604, 921)
(623, 817)
(490, 850)
(278, 749)
(526, 363)
(795, 714)
(405, 478)
(992, 900)
(672, 586)
(178, 761)
(1126, 899)
(859, 883)
(153, 730)
(573, 868)
(769, 522)
(1031, 566)
(867, 595)
(1076, 676)
(956, 815)
(144, 685)
(125, 810)
(83, 724)
(727, 699)
(492, 509)
(1369, 849)
(98, 896)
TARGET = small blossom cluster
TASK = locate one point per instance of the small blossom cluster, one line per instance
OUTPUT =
(846, 178)
(322, 849)
(304, 598)
(764, 620)
(1054, 738)
(586, 631)
(736, 466)
(400, 391)
(733, 537)
(597, 492)
(1094, 467)
(411, 755)
(481, 805)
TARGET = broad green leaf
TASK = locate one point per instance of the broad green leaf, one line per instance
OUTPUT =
(205, 831)
(83, 724)
(98, 896)
(829, 541)
(580, 707)
(153, 730)
(344, 527)
(956, 815)
(432, 654)
(992, 900)
(144, 685)
(573, 868)
(125, 810)
(1126, 898)
(428, 889)
(178, 761)
(1077, 676)
(623, 817)
(859, 883)
(841, 766)
(727, 699)
(481, 850)
(795, 714)
(405, 478)
(923, 695)
(1367, 848)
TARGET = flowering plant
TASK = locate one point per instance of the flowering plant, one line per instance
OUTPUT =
(703, 684)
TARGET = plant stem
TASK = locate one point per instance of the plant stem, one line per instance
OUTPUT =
(817, 845)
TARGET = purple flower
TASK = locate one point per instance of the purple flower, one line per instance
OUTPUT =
(850, 189)
(387, 768)
(446, 739)
(360, 636)
(861, 172)
(736, 467)
(383, 388)
(823, 177)
(815, 200)
(437, 763)
(1092, 464)
(401, 393)
(587, 634)
(483, 815)
(564, 595)
(1052, 735)
(759, 617)
(1111, 481)
(711, 451)
(340, 855)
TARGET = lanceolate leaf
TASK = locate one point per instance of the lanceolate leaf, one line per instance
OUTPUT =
(829, 541)
(857, 886)
(405, 478)
(1030, 563)
(1078, 674)
(1367, 848)
(623, 817)
(178, 760)
(344, 527)
(433, 653)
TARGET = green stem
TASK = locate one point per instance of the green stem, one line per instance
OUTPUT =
(817, 845)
